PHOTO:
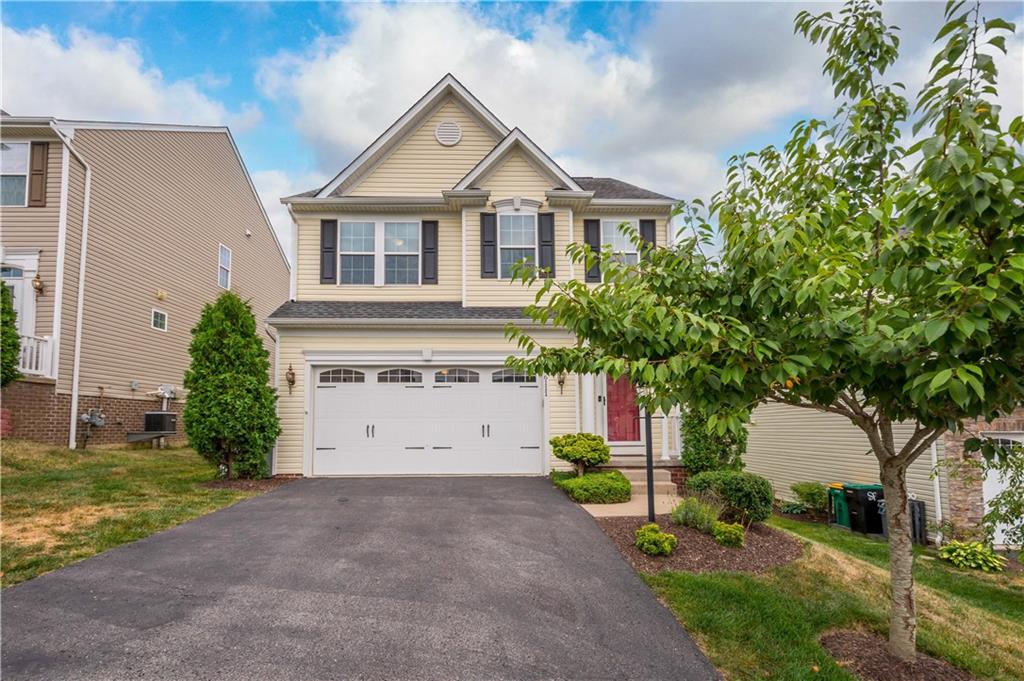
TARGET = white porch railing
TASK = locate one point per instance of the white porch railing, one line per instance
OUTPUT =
(36, 355)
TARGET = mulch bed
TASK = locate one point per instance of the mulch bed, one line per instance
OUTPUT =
(697, 552)
(865, 656)
(808, 517)
(261, 485)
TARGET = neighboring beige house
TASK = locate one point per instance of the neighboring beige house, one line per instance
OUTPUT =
(112, 237)
(394, 336)
(790, 444)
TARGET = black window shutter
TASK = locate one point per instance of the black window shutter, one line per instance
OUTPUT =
(37, 174)
(648, 232)
(428, 241)
(592, 237)
(488, 245)
(546, 243)
(328, 251)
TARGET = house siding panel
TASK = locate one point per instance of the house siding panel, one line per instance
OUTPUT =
(421, 166)
(161, 203)
(791, 444)
(72, 261)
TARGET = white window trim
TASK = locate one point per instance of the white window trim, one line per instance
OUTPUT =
(522, 210)
(167, 320)
(27, 174)
(379, 253)
(231, 257)
(635, 221)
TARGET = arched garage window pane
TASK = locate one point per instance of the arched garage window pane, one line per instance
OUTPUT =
(342, 376)
(512, 376)
(399, 376)
(456, 376)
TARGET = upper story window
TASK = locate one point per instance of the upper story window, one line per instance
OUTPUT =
(158, 320)
(357, 253)
(624, 248)
(379, 253)
(517, 241)
(224, 267)
(401, 252)
(14, 173)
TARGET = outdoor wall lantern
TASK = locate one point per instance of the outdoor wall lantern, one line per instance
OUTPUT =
(38, 285)
(561, 383)
(289, 377)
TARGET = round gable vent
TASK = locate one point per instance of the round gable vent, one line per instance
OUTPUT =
(448, 133)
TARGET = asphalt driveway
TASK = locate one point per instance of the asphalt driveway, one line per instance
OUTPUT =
(402, 578)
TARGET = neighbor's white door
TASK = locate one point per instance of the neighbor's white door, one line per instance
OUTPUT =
(994, 484)
(426, 420)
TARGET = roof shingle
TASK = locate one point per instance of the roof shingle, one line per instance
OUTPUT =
(339, 310)
(610, 188)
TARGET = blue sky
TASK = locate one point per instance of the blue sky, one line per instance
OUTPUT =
(656, 94)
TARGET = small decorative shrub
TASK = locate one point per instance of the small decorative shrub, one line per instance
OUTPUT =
(10, 341)
(696, 513)
(581, 450)
(709, 451)
(974, 555)
(652, 541)
(729, 534)
(814, 495)
(792, 507)
(748, 498)
(605, 487)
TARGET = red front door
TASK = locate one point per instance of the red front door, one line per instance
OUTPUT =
(623, 412)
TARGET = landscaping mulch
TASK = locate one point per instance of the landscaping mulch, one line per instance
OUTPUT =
(765, 548)
(866, 656)
(807, 517)
(261, 485)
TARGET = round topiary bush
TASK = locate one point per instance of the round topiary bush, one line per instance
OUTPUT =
(581, 450)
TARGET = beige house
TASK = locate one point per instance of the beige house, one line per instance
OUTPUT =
(112, 238)
(392, 346)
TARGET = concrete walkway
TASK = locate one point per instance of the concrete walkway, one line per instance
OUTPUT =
(403, 578)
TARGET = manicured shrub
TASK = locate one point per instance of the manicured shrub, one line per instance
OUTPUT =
(10, 342)
(605, 487)
(813, 495)
(974, 555)
(652, 541)
(792, 507)
(729, 534)
(230, 417)
(747, 497)
(581, 450)
(697, 513)
(709, 451)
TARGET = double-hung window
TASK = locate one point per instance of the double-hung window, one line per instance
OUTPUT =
(14, 173)
(224, 267)
(379, 253)
(517, 240)
(358, 248)
(625, 250)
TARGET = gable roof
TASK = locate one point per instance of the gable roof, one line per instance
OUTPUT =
(516, 139)
(337, 311)
(448, 85)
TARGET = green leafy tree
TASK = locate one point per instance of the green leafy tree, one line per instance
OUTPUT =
(230, 413)
(861, 274)
(705, 450)
(10, 342)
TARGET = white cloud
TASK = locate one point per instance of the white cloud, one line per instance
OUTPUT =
(271, 185)
(93, 76)
(653, 116)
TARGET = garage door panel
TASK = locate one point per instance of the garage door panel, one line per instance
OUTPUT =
(453, 422)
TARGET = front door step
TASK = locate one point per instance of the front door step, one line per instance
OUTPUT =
(638, 481)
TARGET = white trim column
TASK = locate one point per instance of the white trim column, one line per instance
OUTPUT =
(587, 393)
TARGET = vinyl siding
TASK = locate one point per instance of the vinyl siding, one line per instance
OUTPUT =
(38, 228)
(72, 261)
(516, 176)
(161, 203)
(791, 444)
(449, 265)
(292, 407)
(421, 166)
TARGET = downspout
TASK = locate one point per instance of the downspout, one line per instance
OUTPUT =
(936, 491)
(76, 369)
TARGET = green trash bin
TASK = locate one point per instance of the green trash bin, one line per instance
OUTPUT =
(838, 511)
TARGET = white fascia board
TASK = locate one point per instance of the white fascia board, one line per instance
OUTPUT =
(367, 201)
(69, 126)
(447, 84)
(496, 154)
(415, 357)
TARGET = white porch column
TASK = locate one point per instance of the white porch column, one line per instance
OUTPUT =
(666, 423)
(587, 393)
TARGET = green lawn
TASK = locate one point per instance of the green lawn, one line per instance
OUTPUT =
(60, 505)
(767, 626)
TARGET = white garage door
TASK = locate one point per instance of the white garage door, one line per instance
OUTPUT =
(426, 420)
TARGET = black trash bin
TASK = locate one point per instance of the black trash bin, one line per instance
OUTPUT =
(918, 521)
(862, 501)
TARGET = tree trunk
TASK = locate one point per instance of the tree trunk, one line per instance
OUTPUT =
(230, 461)
(580, 469)
(903, 617)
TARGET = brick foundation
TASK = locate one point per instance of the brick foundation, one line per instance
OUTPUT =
(41, 414)
(966, 501)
